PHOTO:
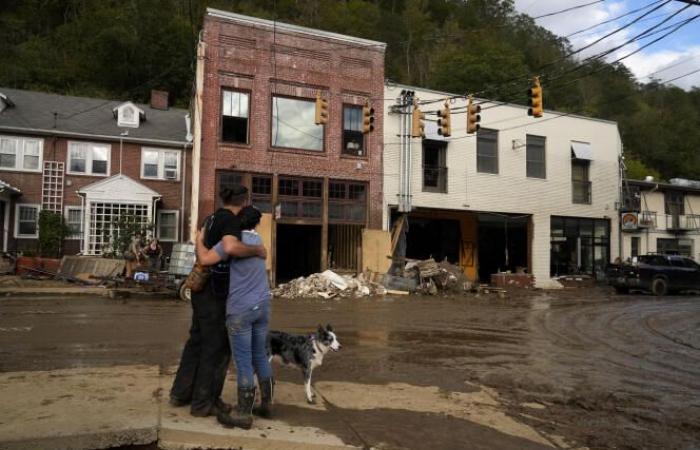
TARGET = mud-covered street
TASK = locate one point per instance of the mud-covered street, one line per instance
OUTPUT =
(598, 370)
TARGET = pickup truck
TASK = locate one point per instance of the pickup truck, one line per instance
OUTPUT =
(658, 274)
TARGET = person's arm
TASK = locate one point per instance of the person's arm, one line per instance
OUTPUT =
(206, 256)
(234, 247)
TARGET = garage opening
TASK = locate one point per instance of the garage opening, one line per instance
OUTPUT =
(433, 238)
(298, 251)
(345, 248)
(502, 244)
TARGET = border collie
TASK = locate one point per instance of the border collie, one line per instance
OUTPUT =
(304, 352)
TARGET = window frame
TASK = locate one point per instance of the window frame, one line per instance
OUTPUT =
(249, 93)
(66, 216)
(497, 156)
(16, 232)
(364, 149)
(89, 160)
(585, 166)
(177, 224)
(161, 163)
(681, 196)
(19, 154)
(299, 198)
(274, 147)
(442, 178)
(544, 159)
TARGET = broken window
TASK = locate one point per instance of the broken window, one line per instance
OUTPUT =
(234, 116)
(580, 183)
(487, 151)
(353, 138)
(293, 124)
(434, 166)
(536, 166)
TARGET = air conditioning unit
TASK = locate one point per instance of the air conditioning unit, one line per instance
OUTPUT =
(170, 174)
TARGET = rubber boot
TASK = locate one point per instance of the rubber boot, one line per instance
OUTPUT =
(267, 390)
(241, 416)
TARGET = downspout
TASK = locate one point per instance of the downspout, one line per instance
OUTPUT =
(182, 194)
(402, 159)
(197, 142)
(409, 156)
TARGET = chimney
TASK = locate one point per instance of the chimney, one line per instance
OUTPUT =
(159, 99)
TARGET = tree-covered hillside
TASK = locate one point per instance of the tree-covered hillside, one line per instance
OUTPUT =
(123, 48)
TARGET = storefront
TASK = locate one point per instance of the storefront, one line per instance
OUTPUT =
(579, 246)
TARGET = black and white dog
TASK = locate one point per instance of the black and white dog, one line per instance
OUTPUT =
(304, 352)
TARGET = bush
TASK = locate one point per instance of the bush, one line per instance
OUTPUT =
(52, 231)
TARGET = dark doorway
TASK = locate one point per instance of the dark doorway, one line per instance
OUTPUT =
(502, 244)
(433, 238)
(298, 251)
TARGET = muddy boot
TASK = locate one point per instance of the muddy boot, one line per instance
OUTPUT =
(241, 416)
(267, 389)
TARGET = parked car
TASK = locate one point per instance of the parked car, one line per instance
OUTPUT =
(658, 274)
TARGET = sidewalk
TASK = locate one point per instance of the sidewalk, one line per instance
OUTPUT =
(91, 408)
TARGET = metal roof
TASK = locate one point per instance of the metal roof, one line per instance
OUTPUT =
(53, 114)
(661, 186)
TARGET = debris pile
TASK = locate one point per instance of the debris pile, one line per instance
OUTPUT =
(327, 285)
(434, 277)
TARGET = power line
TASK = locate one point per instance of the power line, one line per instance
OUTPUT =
(613, 19)
(567, 10)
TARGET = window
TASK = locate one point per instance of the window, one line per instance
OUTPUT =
(635, 246)
(353, 138)
(300, 197)
(74, 222)
(167, 225)
(160, 164)
(18, 153)
(261, 192)
(234, 116)
(347, 201)
(683, 247)
(434, 166)
(293, 124)
(674, 203)
(535, 157)
(26, 221)
(579, 246)
(487, 151)
(103, 229)
(86, 158)
(580, 184)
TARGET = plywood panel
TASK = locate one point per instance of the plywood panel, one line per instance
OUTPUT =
(265, 232)
(376, 249)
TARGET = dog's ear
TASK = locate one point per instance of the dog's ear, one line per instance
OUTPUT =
(321, 329)
(329, 328)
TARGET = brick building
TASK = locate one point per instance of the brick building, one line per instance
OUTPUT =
(320, 184)
(91, 160)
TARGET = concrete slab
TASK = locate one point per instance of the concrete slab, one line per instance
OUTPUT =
(78, 409)
(54, 291)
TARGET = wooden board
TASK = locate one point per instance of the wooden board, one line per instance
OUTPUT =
(376, 250)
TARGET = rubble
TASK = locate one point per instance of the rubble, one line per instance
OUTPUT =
(328, 285)
(434, 277)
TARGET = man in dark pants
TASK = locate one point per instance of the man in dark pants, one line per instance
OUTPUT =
(202, 372)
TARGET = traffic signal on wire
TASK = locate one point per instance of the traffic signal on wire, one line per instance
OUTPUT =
(367, 118)
(321, 110)
(473, 117)
(444, 125)
(417, 124)
(535, 99)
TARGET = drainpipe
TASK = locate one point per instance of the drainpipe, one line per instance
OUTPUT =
(402, 157)
(409, 156)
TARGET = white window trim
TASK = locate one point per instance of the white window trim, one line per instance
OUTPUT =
(177, 224)
(88, 160)
(19, 156)
(16, 230)
(161, 163)
(79, 236)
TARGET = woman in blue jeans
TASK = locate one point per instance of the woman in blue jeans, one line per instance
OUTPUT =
(247, 317)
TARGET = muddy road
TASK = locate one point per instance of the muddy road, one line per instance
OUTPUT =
(603, 371)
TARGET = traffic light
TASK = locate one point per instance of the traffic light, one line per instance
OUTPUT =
(417, 125)
(367, 118)
(321, 110)
(444, 127)
(473, 117)
(535, 99)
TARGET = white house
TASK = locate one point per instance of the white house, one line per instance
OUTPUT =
(534, 195)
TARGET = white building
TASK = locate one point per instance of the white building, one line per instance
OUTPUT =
(524, 194)
(661, 218)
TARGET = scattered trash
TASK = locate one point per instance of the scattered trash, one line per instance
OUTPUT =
(429, 277)
(328, 285)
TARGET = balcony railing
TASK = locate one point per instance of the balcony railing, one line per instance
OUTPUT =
(581, 192)
(678, 222)
(434, 179)
(647, 219)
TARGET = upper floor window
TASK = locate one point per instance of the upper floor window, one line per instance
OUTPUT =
(160, 164)
(234, 116)
(674, 202)
(580, 182)
(434, 166)
(487, 151)
(536, 166)
(18, 153)
(88, 158)
(353, 138)
(293, 124)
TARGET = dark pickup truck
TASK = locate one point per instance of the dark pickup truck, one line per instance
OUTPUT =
(658, 274)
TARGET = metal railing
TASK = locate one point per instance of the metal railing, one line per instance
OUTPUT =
(682, 222)
(647, 219)
(582, 192)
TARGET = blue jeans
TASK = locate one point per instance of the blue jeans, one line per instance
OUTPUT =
(247, 333)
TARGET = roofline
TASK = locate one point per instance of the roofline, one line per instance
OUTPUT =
(286, 27)
(661, 185)
(95, 136)
(514, 105)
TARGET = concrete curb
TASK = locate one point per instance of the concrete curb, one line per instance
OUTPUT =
(89, 441)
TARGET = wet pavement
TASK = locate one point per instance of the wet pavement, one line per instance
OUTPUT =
(602, 371)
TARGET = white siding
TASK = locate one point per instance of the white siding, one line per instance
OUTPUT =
(510, 191)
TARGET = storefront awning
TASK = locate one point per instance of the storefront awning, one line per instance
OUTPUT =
(582, 150)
